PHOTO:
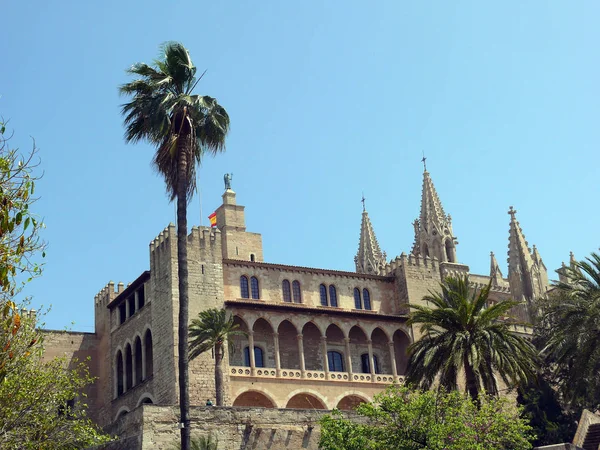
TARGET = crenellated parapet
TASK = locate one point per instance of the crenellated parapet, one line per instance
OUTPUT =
(410, 260)
(107, 294)
(453, 270)
(208, 240)
(499, 289)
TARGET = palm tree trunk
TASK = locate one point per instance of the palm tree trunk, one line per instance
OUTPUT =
(182, 273)
(219, 374)
(471, 381)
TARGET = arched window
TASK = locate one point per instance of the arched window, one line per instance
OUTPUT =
(323, 292)
(287, 294)
(357, 302)
(365, 366)
(335, 361)
(332, 296)
(137, 356)
(119, 373)
(296, 291)
(148, 354)
(367, 299)
(258, 357)
(128, 368)
(244, 287)
(254, 287)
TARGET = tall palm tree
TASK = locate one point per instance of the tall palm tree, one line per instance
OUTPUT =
(183, 127)
(463, 335)
(571, 325)
(213, 329)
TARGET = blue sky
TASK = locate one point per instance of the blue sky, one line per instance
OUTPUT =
(327, 99)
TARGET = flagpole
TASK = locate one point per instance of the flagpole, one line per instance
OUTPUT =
(200, 197)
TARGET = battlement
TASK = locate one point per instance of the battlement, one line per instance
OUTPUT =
(410, 260)
(500, 289)
(28, 313)
(454, 270)
(108, 293)
(163, 239)
(205, 236)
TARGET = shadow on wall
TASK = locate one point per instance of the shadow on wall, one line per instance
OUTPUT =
(264, 428)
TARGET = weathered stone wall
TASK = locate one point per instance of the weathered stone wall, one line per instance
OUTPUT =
(235, 428)
(164, 294)
(271, 276)
(79, 346)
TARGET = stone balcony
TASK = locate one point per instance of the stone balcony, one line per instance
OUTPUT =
(314, 375)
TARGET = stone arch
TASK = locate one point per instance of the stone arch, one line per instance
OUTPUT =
(350, 402)
(145, 398)
(358, 346)
(381, 350)
(313, 350)
(401, 343)
(263, 339)
(306, 400)
(128, 367)
(138, 360)
(239, 342)
(336, 344)
(254, 398)
(425, 249)
(288, 340)
(351, 392)
(121, 412)
(119, 372)
(342, 327)
(148, 354)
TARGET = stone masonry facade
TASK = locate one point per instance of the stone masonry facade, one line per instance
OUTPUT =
(316, 339)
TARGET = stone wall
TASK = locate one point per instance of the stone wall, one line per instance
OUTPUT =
(155, 427)
(271, 276)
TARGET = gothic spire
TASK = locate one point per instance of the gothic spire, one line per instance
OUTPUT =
(433, 229)
(495, 272)
(527, 273)
(519, 256)
(432, 212)
(369, 259)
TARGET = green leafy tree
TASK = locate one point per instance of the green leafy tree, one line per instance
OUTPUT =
(42, 403)
(37, 397)
(19, 227)
(570, 334)
(462, 334)
(213, 330)
(183, 127)
(549, 420)
(403, 419)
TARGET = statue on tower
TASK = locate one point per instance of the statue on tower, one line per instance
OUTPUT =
(227, 178)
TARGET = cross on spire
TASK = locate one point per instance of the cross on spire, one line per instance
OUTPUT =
(363, 201)
(424, 161)
(512, 212)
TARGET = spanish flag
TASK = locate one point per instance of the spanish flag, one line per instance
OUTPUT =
(213, 219)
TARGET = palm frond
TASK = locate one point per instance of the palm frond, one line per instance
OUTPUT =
(164, 112)
(460, 332)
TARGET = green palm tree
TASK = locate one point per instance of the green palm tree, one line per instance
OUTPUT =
(213, 330)
(461, 334)
(571, 321)
(183, 127)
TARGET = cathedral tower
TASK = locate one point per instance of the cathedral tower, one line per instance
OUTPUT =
(527, 274)
(369, 258)
(433, 230)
